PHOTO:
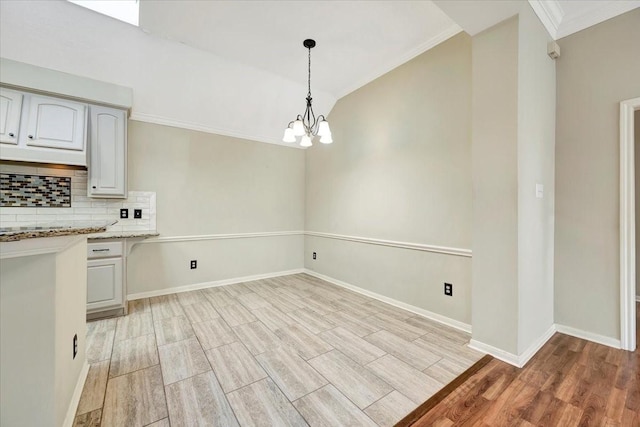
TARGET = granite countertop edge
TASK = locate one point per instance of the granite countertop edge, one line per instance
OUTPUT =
(34, 234)
(122, 234)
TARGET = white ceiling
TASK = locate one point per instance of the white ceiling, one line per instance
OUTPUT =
(238, 68)
(356, 41)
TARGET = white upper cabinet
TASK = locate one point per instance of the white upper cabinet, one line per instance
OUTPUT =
(107, 152)
(42, 129)
(10, 109)
(56, 123)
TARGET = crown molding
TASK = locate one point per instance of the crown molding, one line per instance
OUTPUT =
(560, 25)
(550, 14)
(595, 16)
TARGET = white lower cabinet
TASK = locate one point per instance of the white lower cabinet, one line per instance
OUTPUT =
(105, 277)
(104, 283)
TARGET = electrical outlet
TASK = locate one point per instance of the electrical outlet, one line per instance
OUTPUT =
(124, 213)
(448, 289)
(75, 345)
(314, 255)
(137, 213)
(194, 264)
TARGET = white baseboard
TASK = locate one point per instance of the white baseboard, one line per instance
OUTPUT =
(505, 356)
(75, 398)
(589, 336)
(417, 310)
(536, 346)
(516, 360)
(521, 360)
(212, 284)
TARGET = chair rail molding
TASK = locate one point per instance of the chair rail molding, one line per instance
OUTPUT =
(394, 244)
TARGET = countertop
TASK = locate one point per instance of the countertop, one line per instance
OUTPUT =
(69, 228)
(123, 234)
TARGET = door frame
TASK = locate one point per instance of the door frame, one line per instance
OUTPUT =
(627, 226)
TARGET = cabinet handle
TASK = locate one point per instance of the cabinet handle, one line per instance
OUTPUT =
(93, 187)
(11, 134)
(30, 136)
(100, 250)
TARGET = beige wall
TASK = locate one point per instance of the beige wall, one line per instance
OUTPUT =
(210, 184)
(636, 134)
(400, 169)
(599, 67)
(495, 186)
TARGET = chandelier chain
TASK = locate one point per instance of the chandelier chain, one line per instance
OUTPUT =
(309, 79)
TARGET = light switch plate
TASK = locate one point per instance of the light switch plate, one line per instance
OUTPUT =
(539, 191)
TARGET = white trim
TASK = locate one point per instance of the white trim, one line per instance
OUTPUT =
(627, 226)
(526, 355)
(395, 244)
(595, 16)
(505, 356)
(221, 236)
(371, 241)
(399, 60)
(589, 336)
(212, 284)
(75, 398)
(516, 360)
(165, 121)
(417, 310)
(559, 25)
(550, 14)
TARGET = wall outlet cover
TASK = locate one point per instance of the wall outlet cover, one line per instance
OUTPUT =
(314, 255)
(137, 213)
(124, 213)
(448, 289)
(194, 264)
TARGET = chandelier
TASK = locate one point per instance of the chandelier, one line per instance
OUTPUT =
(308, 125)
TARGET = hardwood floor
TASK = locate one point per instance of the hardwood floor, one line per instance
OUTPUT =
(570, 382)
(292, 350)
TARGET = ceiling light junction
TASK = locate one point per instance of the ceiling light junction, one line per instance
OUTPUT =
(308, 125)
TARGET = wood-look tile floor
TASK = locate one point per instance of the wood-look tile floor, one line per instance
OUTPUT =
(292, 350)
(569, 382)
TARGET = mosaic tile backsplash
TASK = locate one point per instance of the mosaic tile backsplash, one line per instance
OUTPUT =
(82, 207)
(17, 190)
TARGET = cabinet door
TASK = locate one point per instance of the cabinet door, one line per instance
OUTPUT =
(104, 283)
(10, 110)
(107, 152)
(55, 123)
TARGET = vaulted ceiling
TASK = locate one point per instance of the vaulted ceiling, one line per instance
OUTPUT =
(238, 67)
(357, 41)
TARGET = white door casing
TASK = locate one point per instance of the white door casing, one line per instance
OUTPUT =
(627, 226)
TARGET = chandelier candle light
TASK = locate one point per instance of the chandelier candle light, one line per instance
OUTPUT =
(307, 125)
